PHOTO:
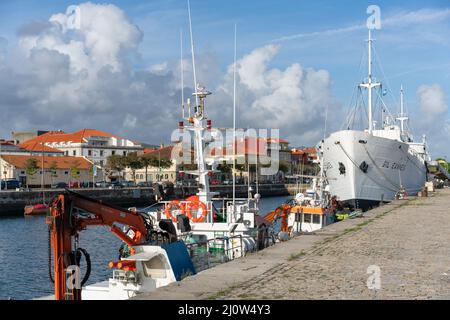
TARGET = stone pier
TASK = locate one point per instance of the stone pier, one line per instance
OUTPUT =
(397, 251)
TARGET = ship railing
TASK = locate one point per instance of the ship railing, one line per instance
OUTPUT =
(224, 249)
(264, 237)
(200, 256)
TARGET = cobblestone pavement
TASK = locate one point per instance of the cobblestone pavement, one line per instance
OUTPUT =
(410, 245)
(409, 241)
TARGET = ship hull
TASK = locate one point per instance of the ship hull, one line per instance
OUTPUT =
(365, 170)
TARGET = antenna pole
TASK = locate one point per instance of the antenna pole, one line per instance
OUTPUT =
(193, 53)
(234, 116)
(402, 117)
(370, 85)
(402, 113)
(182, 72)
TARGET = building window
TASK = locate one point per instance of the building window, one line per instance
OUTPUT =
(316, 219)
(74, 152)
(101, 153)
(167, 176)
(124, 153)
(67, 153)
(113, 153)
(89, 153)
(66, 172)
(307, 218)
(102, 163)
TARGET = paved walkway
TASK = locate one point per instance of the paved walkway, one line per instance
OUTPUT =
(408, 240)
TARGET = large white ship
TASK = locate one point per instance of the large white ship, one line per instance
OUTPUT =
(366, 167)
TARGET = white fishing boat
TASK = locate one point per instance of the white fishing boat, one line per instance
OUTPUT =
(232, 230)
(374, 165)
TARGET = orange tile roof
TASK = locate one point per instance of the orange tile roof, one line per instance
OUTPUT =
(297, 152)
(76, 137)
(38, 147)
(61, 162)
(310, 150)
(277, 140)
(165, 152)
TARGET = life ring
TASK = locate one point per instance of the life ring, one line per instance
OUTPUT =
(168, 211)
(196, 205)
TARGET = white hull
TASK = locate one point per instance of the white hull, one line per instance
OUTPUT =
(391, 164)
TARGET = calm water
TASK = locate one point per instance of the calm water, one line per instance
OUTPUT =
(23, 254)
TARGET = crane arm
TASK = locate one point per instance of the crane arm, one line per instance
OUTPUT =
(280, 212)
(65, 222)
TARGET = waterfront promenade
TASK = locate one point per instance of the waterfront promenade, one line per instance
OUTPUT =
(408, 240)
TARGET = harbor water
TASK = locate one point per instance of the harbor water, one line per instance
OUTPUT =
(24, 254)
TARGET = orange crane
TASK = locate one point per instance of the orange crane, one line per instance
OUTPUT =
(72, 213)
(282, 212)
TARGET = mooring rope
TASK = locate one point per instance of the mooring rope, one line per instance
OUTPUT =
(356, 165)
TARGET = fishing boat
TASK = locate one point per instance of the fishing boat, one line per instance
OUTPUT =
(36, 210)
(376, 164)
(232, 230)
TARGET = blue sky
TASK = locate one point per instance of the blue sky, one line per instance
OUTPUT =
(412, 54)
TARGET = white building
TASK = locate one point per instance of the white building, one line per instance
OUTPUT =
(91, 144)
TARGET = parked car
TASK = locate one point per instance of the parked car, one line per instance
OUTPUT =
(74, 185)
(215, 182)
(102, 184)
(128, 184)
(145, 184)
(60, 185)
(116, 185)
(10, 184)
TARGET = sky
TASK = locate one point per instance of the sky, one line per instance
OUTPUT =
(299, 64)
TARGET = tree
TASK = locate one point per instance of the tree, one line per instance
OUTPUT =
(75, 170)
(133, 162)
(116, 163)
(146, 162)
(444, 163)
(155, 161)
(31, 167)
(53, 170)
(283, 166)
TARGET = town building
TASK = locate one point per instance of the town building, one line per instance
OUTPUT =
(153, 174)
(93, 145)
(22, 136)
(248, 151)
(304, 161)
(53, 169)
(10, 148)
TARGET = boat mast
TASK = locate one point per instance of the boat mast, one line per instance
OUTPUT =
(402, 117)
(234, 118)
(198, 123)
(193, 54)
(182, 73)
(370, 85)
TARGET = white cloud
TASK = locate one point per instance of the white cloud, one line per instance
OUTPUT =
(431, 101)
(71, 79)
(399, 19)
(293, 100)
(104, 35)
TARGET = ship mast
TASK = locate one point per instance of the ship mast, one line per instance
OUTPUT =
(402, 117)
(370, 85)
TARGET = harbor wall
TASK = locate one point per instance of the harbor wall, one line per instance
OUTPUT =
(13, 203)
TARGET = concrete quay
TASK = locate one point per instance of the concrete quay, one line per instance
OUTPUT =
(406, 242)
